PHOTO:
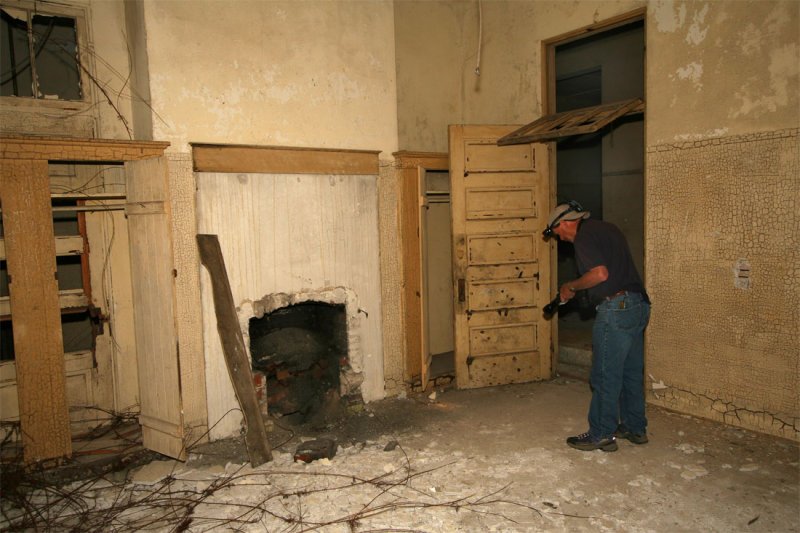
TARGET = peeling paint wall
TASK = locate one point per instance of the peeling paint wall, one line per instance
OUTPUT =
(723, 186)
(732, 69)
(438, 46)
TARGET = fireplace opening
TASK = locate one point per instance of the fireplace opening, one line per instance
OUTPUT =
(297, 356)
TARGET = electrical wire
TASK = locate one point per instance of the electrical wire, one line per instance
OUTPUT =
(480, 37)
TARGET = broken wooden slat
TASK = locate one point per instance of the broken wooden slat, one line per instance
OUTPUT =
(234, 349)
(574, 122)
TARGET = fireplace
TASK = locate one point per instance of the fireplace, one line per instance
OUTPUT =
(297, 351)
(304, 354)
(289, 239)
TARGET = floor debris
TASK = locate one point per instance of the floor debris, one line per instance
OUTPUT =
(480, 460)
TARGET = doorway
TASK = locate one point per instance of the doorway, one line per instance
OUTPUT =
(437, 272)
(604, 170)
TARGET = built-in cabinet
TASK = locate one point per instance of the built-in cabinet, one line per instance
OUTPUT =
(44, 377)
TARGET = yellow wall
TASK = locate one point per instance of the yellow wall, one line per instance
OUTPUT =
(317, 74)
(717, 69)
(723, 185)
(437, 54)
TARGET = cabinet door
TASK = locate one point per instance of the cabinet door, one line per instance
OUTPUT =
(35, 310)
(153, 282)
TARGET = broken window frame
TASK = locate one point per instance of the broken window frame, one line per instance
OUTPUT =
(84, 65)
(573, 122)
(72, 300)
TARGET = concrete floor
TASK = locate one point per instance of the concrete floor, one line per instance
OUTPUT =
(489, 459)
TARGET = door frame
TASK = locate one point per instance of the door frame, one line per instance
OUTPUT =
(549, 46)
(548, 92)
(412, 165)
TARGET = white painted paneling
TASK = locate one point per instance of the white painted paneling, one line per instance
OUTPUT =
(292, 234)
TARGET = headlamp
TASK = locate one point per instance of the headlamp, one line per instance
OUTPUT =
(548, 231)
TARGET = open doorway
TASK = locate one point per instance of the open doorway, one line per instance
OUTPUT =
(437, 272)
(602, 170)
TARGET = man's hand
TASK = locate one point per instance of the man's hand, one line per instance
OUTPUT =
(566, 292)
(595, 276)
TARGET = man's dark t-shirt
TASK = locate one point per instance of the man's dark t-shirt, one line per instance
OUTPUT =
(602, 243)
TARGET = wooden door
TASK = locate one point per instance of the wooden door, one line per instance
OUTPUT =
(499, 200)
(147, 209)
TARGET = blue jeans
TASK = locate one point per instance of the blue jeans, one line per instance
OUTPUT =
(617, 376)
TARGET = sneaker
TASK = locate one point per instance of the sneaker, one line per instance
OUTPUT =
(636, 438)
(586, 443)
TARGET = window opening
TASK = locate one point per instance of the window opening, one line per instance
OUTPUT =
(579, 89)
(77, 331)
(39, 57)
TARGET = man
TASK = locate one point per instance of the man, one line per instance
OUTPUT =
(607, 271)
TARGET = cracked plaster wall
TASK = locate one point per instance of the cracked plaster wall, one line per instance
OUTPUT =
(722, 188)
(391, 263)
(717, 348)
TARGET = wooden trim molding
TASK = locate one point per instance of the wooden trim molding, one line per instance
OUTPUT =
(72, 149)
(426, 160)
(283, 160)
(597, 27)
(410, 165)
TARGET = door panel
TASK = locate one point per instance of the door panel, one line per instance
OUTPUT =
(501, 263)
(498, 340)
(481, 155)
(501, 294)
(150, 242)
(499, 203)
(498, 249)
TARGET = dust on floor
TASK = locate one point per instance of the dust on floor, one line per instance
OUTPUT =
(481, 460)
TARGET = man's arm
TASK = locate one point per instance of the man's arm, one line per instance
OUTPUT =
(595, 276)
